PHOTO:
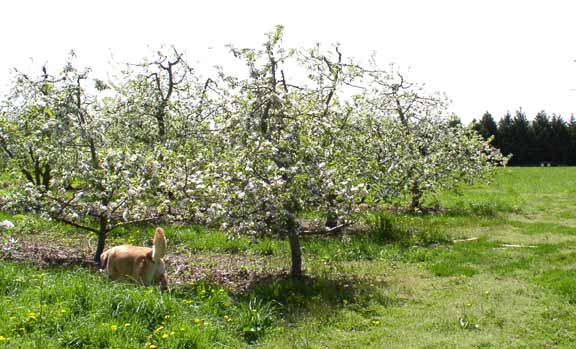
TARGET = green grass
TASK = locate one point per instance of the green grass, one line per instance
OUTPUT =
(56, 308)
(404, 284)
(75, 308)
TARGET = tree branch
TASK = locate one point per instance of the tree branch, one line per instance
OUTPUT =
(133, 222)
(74, 224)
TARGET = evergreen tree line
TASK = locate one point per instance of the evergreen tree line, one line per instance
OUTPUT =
(544, 140)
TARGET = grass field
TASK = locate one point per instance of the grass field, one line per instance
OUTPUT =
(507, 281)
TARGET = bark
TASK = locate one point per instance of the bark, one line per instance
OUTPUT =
(160, 114)
(46, 177)
(416, 197)
(102, 234)
(28, 176)
(37, 173)
(331, 216)
(296, 252)
(331, 220)
(161, 125)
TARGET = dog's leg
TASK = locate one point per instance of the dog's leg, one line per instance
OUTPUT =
(164, 282)
(104, 261)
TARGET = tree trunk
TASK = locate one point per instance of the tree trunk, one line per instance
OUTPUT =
(294, 239)
(331, 220)
(331, 216)
(416, 196)
(161, 124)
(102, 234)
(46, 177)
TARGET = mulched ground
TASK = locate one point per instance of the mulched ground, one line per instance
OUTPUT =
(236, 272)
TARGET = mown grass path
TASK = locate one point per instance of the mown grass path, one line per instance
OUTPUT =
(513, 287)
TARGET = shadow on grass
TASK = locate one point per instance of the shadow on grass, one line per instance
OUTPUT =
(278, 295)
(308, 293)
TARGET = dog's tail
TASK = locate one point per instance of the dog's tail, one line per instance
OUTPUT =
(159, 249)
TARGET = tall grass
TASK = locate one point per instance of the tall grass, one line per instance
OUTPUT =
(78, 309)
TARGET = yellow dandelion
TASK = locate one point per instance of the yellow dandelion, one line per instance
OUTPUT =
(2, 338)
(196, 321)
(127, 324)
(167, 317)
(375, 322)
(114, 328)
(206, 323)
(165, 335)
(172, 333)
(152, 346)
(187, 301)
(226, 317)
(159, 329)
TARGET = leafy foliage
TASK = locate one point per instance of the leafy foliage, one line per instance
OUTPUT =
(544, 140)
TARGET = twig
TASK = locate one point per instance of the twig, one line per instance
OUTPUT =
(332, 230)
(465, 240)
(517, 246)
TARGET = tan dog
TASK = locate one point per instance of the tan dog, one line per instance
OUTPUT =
(142, 264)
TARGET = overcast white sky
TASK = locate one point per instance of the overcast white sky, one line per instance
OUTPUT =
(494, 55)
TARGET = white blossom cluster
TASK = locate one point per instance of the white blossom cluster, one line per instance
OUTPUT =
(304, 131)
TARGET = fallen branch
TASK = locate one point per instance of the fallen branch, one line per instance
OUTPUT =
(333, 230)
(465, 240)
(517, 246)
